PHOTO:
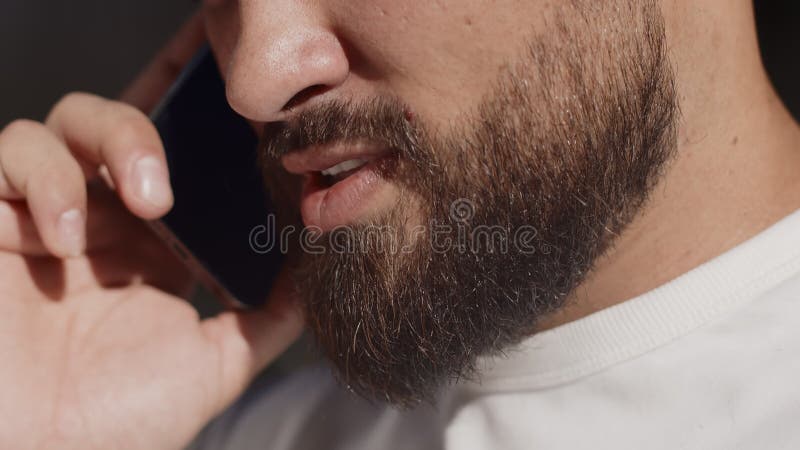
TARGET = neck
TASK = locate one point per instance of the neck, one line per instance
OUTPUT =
(737, 168)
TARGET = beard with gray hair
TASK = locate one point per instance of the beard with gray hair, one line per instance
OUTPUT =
(568, 145)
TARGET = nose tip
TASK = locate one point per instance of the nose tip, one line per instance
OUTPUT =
(265, 80)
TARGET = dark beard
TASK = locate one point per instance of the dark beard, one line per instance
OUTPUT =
(568, 146)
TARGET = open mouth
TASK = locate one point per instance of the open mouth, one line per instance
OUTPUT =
(342, 181)
(342, 170)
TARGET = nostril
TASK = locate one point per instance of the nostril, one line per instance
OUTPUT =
(302, 96)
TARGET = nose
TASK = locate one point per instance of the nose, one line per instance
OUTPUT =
(284, 56)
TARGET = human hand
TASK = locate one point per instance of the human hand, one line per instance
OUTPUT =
(99, 350)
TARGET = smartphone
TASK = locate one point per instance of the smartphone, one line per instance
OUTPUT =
(220, 198)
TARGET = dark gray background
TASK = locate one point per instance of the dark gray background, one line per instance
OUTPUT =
(51, 47)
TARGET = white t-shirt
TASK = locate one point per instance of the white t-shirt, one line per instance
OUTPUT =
(710, 360)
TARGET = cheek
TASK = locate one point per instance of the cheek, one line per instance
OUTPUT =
(441, 57)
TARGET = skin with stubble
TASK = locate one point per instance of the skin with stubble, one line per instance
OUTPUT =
(566, 144)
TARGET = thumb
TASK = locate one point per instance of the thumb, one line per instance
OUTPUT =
(156, 78)
(248, 341)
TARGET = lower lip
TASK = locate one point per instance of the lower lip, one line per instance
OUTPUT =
(328, 207)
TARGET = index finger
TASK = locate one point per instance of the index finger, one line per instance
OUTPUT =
(155, 79)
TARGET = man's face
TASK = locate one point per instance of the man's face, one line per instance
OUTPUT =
(503, 145)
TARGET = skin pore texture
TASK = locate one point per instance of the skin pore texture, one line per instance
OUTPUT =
(636, 152)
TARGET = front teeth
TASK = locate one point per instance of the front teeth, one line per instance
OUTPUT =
(344, 167)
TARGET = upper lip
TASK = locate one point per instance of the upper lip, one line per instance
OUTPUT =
(321, 157)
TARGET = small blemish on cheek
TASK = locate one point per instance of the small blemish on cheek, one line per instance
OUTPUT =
(409, 115)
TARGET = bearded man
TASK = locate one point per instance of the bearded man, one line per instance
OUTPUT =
(543, 225)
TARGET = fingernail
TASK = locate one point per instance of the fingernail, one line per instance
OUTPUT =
(150, 179)
(71, 232)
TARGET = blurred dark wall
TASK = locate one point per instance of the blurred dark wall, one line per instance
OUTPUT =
(779, 32)
(48, 48)
(51, 47)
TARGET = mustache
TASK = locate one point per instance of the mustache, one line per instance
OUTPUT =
(385, 120)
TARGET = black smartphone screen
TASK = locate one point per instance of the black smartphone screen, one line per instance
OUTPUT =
(220, 200)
